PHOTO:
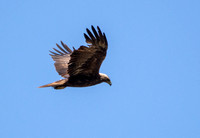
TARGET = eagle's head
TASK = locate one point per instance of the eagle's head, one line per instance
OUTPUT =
(105, 78)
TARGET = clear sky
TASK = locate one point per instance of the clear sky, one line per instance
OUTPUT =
(153, 61)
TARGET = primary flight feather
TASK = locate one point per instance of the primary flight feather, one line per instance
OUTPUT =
(80, 68)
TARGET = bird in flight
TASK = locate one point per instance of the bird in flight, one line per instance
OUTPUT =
(80, 68)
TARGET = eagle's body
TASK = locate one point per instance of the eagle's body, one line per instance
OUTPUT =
(80, 68)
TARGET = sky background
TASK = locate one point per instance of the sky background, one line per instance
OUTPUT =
(153, 61)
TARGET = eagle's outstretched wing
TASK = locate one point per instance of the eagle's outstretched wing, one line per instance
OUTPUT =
(85, 60)
(62, 59)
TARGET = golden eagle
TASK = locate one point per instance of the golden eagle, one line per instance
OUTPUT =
(80, 68)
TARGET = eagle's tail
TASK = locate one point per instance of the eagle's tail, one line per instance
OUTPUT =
(56, 85)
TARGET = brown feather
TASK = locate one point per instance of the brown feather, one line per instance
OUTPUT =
(66, 47)
(57, 84)
(64, 52)
(62, 59)
(87, 60)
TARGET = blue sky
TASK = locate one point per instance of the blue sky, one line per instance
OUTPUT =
(153, 61)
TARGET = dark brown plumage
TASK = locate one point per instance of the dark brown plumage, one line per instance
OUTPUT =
(80, 68)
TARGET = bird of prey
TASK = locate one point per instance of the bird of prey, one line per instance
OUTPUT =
(80, 68)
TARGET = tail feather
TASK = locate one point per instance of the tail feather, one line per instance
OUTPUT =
(56, 85)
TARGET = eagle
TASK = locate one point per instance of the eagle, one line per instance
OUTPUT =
(80, 68)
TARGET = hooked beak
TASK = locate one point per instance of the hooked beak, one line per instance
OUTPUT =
(109, 82)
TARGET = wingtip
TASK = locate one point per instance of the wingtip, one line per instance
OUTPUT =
(92, 26)
(98, 27)
(85, 35)
(87, 30)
